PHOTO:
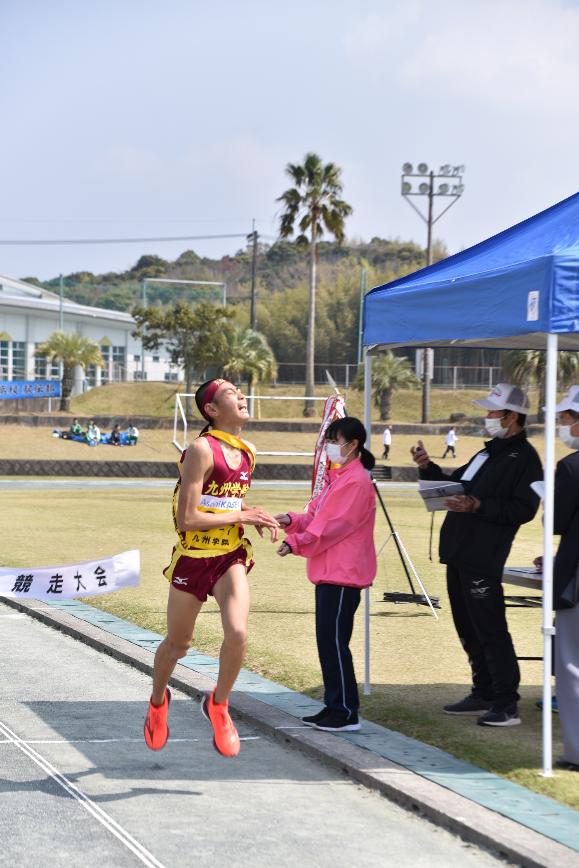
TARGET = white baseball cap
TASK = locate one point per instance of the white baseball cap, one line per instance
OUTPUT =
(570, 401)
(506, 397)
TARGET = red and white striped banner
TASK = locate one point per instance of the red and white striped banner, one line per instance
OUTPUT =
(334, 408)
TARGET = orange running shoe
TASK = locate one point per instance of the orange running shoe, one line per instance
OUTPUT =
(156, 729)
(225, 737)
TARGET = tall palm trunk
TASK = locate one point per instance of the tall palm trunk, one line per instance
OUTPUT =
(385, 402)
(311, 336)
(66, 387)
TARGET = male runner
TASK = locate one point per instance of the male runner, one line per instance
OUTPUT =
(211, 557)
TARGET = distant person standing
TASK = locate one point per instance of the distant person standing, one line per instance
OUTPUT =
(386, 442)
(450, 443)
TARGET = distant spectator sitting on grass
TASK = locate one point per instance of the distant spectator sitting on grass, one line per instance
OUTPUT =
(93, 434)
(75, 428)
(115, 438)
(132, 434)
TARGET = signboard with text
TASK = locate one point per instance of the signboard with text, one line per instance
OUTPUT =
(29, 389)
(86, 579)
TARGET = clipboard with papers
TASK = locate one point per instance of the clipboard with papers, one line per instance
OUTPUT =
(435, 492)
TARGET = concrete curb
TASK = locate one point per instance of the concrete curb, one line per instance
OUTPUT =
(473, 823)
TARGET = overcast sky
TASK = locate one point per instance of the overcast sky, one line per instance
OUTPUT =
(125, 118)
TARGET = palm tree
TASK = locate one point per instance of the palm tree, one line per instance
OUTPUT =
(71, 350)
(389, 373)
(523, 367)
(250, 356)
(313, 203)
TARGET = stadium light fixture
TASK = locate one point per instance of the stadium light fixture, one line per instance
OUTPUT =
(426, 187)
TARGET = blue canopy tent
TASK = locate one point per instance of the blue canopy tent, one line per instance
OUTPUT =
(516, 290)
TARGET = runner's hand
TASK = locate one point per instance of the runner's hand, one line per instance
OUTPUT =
(274, 531)
(283, 519)
(284, 550)
(256, 515)
(538, 562)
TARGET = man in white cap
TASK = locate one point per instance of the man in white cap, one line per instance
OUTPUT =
(566, 581)
(475, 541)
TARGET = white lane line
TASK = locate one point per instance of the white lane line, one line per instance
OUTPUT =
(111, 825)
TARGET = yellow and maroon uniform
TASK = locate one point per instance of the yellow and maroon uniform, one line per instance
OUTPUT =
(201, 557)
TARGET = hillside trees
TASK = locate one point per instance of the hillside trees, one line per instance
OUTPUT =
(196, 338)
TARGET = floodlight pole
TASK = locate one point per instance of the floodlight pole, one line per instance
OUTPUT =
(446, 173)
(427, 353)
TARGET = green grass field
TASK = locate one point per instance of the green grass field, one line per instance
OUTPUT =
(19, 441)
(417, 663)
(158, 399)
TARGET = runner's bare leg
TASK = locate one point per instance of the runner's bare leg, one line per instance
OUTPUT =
(182, 611)
(232, 595)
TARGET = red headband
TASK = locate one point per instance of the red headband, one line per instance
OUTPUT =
(208, 397)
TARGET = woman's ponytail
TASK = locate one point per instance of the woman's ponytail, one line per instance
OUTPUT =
(367, 459)
(352, 429)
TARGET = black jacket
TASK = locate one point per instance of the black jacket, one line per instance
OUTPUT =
(565, 590)
(482, 540)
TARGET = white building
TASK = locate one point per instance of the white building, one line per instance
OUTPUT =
(29, 315)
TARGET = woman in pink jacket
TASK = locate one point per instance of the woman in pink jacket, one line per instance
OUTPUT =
(336, 536)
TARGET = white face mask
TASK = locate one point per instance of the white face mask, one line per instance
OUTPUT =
(567, 437)
(494, 428)
(334, 453)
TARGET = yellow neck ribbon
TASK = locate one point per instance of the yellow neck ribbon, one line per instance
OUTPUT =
(232, 440)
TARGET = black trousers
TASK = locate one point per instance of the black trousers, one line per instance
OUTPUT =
(478, 610)
(449, 449)
(386, 452)
(335, 609)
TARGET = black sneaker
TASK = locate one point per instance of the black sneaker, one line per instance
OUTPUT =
(312, 719)
(508, 716)
(335, 722)
(471, 704)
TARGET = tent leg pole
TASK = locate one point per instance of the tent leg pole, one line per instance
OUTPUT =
(368, 426)
(548, 630)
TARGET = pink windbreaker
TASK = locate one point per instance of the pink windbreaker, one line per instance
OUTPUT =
(336, 534)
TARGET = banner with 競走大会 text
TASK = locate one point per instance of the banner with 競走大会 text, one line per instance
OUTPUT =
(85, 579)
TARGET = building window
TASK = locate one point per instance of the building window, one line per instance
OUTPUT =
(172, 377)
(3, 360)
(18, 360)
(119, 363)
(106, 354)
(42, 371)
(140, 375)
(91, 375)
(136, 358)
(155, 358)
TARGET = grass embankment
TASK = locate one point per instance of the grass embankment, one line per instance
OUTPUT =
(18, 441)
(158, 399)
(417, 663)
